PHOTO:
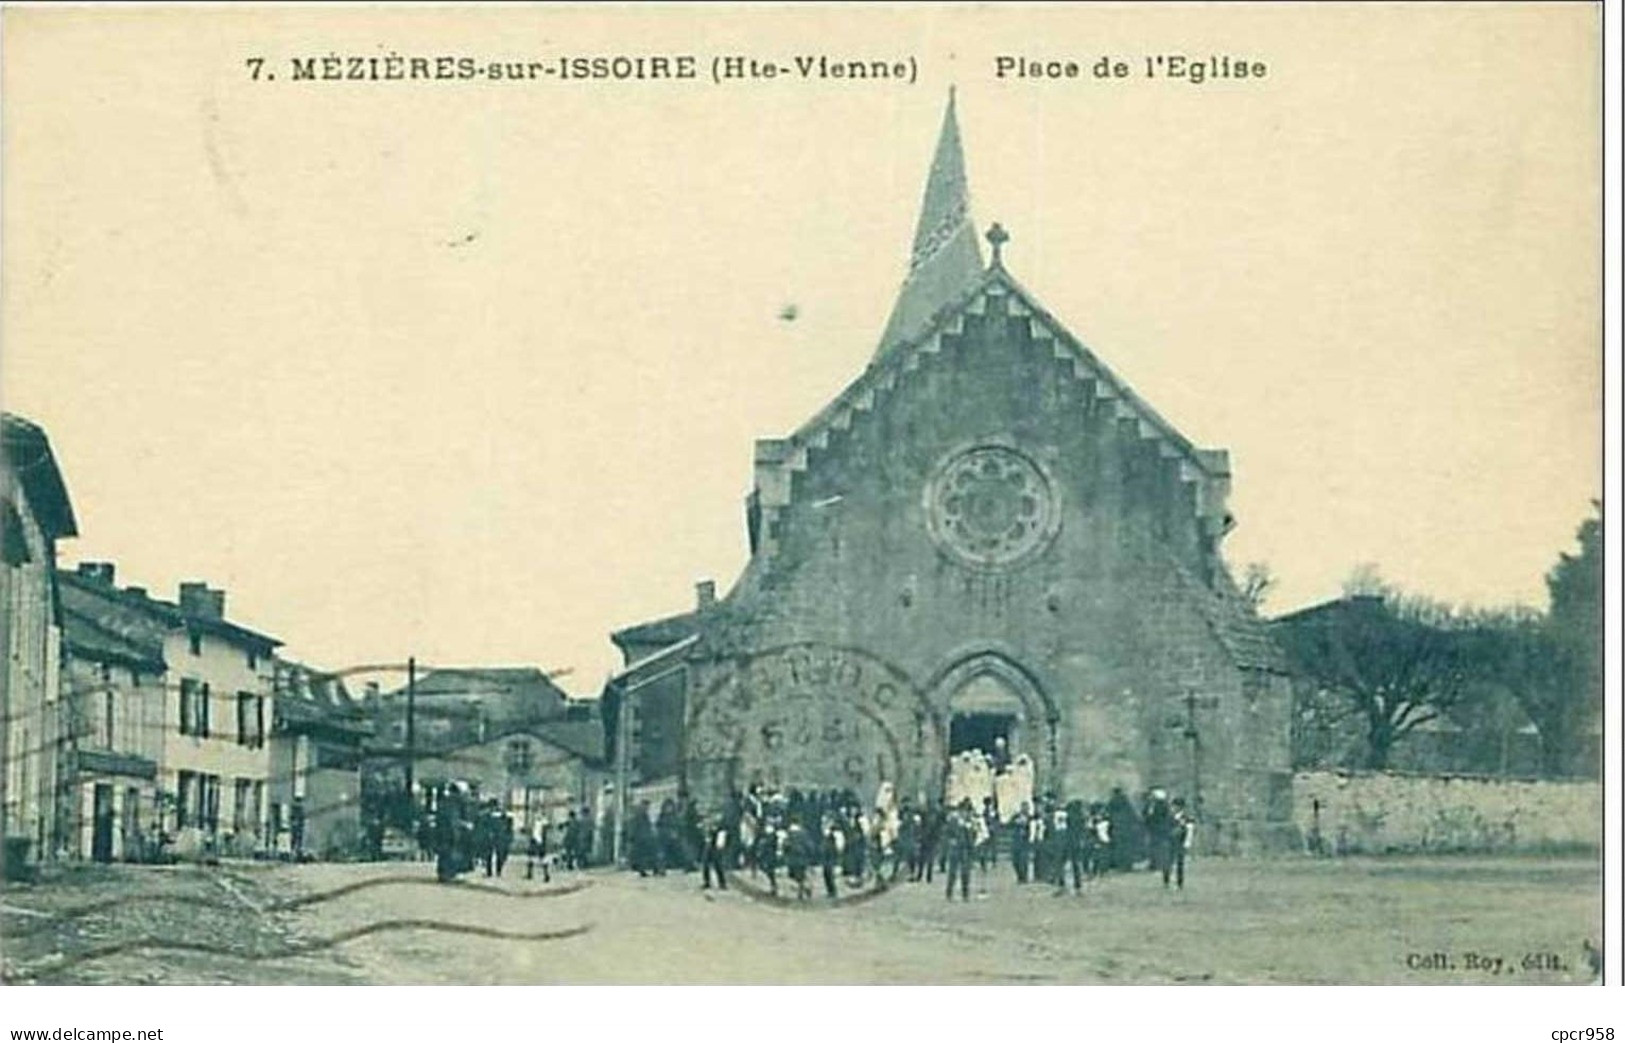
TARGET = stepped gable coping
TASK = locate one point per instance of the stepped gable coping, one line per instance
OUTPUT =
(882, 375)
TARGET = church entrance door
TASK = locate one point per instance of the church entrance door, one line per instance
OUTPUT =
(979, 731)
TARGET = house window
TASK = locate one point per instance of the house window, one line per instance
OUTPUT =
(194, 641)
(209, 812)
(189, 696)
(250, 720)
(519, 757)
(109, 711)
(242, 793)
(185, 796)
(256, 801)
(194, 708)
(253, 661)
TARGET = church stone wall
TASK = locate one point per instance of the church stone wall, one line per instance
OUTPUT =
(1098, 629)
(1383, 812)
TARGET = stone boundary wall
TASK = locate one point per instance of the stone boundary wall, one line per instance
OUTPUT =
(1382, 812)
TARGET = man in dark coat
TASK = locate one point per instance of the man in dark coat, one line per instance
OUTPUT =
(1021, 851)
(766, 855)
(485, 839)
(718, 851)
(800, 853)
(1128, 835)
(644, 847)
(572, 841)
(1069, 845)
(931, 839)
(1039, 831)
(503, 838)
(833, 851)
(1168, 827)
(958, 844)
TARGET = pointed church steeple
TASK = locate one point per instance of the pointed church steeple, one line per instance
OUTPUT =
(947, 257)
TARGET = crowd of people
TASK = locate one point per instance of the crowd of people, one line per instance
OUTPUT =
(461, 832)
(806, 841)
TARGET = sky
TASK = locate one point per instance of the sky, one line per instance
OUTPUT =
(472, 371)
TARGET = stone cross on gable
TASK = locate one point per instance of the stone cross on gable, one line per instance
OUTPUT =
(998, 237)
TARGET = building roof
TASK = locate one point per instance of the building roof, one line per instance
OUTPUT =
(28, 453)
(662, 632)
(106, 625)
(1204, 472)
(503, 693)
(659, 657)
(306, 696)
(579, 738)
(1236, 625)
(584, 738)
(135, 614)
(1327, 610)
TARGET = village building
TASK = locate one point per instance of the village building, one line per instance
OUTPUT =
(37, 513)
(988, 535)
(510, 732)
(202, 718)
(464, 704)
(537, 772)
(318, 734)
(114, 691)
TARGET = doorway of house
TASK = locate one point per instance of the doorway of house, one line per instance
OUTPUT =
(101, 837)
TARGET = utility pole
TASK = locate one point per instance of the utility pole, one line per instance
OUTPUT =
(1195, 738)
(6, 602)
(411, 736)
(623, 770)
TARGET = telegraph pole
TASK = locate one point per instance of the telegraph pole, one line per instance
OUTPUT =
(411, 735)
(6, 602)
(623, 771)
(1195, 738)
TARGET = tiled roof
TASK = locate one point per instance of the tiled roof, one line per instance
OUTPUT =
(1234, 623)
(136, 611)
(308, 696)
(106, 624)
(505, 694)
(665, 631)
(585, 739)
(28, 453)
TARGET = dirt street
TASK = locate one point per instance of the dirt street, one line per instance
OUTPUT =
(1442, 920)
(1415, 920)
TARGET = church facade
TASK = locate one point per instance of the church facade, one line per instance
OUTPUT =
(987, 535)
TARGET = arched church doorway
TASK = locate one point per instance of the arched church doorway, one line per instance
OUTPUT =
(992, 705)
(987, 714)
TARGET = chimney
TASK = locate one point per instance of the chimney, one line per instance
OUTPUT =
(705, 594)
(203, 602)
(97, 572)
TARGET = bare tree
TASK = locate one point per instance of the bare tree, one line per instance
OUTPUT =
(1395, 662)
(1365, 580)
(1257, 580)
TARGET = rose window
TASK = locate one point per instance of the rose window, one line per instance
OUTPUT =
(991, 506)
